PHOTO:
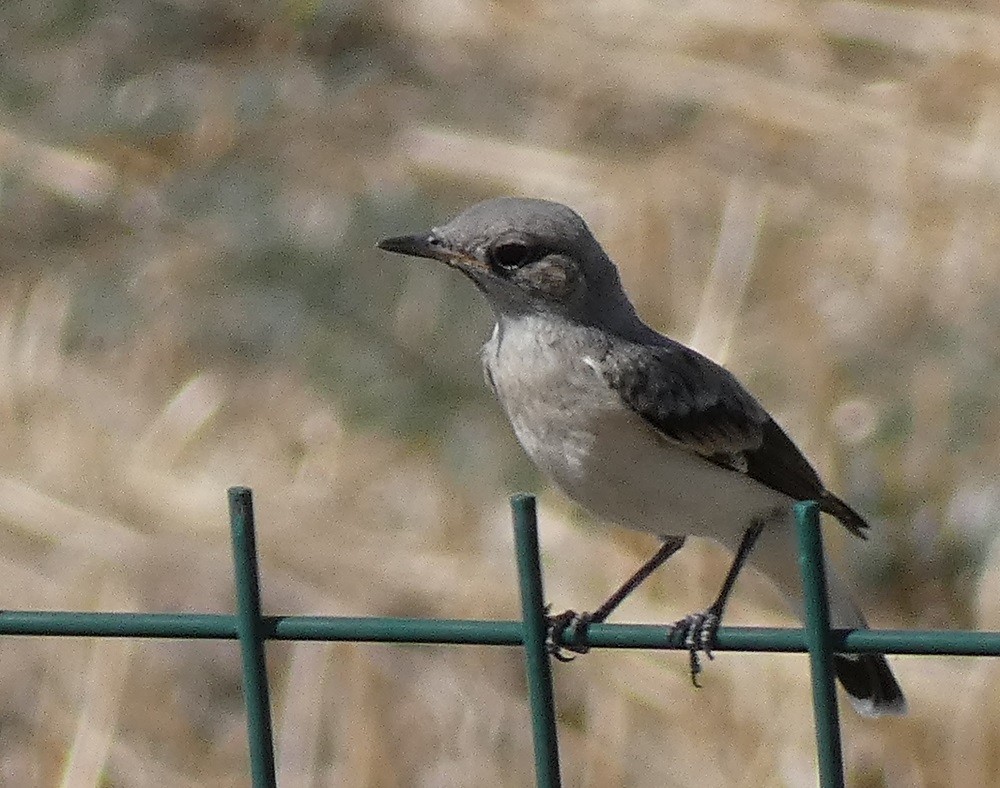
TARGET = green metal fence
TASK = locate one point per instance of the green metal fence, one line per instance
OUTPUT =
(251, 628)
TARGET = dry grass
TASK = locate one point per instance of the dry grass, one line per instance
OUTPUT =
(189, 300)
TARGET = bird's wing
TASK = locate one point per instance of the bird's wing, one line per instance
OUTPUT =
(695, 403)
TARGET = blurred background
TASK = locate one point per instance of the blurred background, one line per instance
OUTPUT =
(190, 298)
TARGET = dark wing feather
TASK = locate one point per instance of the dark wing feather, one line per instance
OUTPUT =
(694, 402)
(689, 399)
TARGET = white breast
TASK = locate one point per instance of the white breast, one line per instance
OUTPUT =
(552, 396)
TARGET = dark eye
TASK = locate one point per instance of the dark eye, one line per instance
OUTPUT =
(511, 255)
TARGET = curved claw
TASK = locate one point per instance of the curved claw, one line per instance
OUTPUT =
(568, 621)
(699, 636)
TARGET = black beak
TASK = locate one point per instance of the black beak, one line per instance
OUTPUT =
(419, 245)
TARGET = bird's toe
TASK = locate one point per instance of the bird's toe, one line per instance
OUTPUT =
(698, 631)
(564, 632)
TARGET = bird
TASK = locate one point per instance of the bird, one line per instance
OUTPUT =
(636, 427)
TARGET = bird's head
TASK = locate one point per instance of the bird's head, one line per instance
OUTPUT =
(527, 257)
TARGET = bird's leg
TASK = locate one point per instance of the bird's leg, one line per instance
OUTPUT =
(576, 623)
(699, 628)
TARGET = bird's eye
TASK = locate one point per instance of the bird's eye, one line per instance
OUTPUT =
(511, 255)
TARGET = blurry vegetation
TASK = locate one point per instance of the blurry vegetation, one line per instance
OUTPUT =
(190, 193)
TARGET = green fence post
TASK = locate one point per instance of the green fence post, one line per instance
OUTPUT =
(250, 629)
(539, 668)
(819, 640)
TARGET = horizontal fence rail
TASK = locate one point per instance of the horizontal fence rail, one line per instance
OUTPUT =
(252, 630)
(459, 632)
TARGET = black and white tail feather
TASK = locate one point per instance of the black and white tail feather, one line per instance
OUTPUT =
(866, 678)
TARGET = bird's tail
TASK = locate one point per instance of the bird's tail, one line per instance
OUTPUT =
(867, 678)
(869, 684)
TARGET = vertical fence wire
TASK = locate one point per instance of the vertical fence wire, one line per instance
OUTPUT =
(536, 656)
(819, 640)
(250, 627)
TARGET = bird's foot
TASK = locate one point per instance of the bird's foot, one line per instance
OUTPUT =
(569, 623)
(699, 631)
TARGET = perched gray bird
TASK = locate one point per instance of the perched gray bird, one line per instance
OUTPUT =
(634, 426)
